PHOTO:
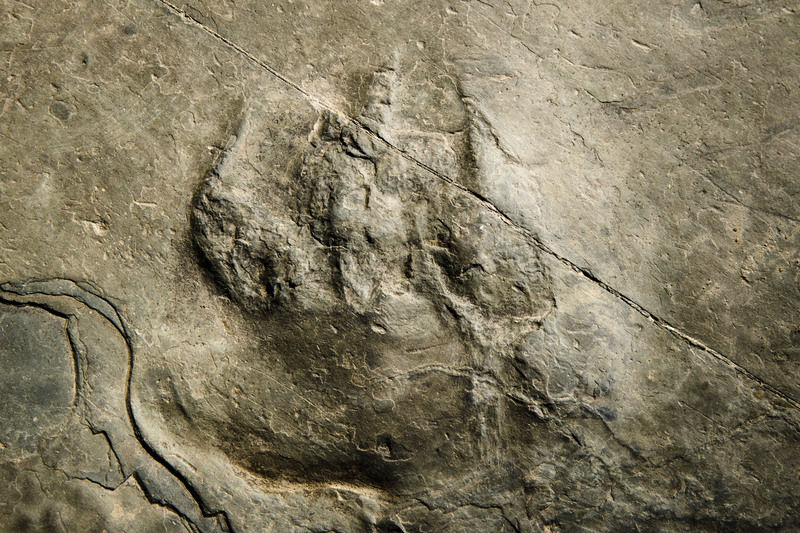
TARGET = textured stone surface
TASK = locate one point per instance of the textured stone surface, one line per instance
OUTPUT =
(399, 266)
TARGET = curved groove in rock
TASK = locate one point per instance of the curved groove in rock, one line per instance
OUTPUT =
(26, 294)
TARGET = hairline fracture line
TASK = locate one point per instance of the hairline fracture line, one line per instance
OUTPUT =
(660, 322)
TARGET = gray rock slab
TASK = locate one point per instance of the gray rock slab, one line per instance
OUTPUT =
(399, 266)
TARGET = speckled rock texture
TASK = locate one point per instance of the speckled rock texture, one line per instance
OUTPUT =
(398, 266)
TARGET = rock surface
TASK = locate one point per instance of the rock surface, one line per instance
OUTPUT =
(399, 266)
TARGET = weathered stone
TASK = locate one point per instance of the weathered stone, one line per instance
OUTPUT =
(399, 267)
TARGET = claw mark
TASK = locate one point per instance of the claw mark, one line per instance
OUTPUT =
(535, 241)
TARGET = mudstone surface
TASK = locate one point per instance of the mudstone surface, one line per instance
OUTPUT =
(370, 266)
